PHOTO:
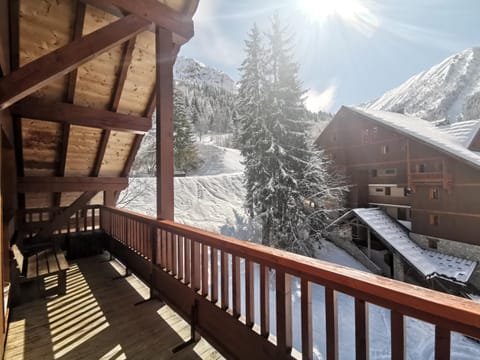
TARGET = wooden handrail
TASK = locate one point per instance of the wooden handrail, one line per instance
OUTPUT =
(447, 312)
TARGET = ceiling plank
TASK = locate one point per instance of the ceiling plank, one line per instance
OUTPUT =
(80, 115)
(32, 76)
(49, 184)
(153, 11)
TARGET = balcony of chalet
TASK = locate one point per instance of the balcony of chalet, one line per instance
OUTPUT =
(79, 83)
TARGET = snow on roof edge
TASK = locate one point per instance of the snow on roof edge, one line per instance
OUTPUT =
(453, 149)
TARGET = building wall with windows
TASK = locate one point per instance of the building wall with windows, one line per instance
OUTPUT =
(434, 194)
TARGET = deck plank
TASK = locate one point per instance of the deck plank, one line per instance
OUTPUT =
(97, 319)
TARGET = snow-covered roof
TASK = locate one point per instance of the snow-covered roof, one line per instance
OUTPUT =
(463, 131)
(450, 139)
(428, 262)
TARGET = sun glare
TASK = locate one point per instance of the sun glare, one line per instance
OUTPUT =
(322, 9)
(354, 13)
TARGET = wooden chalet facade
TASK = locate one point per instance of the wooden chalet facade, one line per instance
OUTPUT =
(79, 83)
(425, 175)
(418, 178)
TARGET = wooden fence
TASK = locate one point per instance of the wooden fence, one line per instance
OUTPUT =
(194, 267)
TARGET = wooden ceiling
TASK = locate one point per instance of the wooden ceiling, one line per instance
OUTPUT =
(81, 89)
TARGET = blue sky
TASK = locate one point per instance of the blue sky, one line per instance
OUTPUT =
(349, 51)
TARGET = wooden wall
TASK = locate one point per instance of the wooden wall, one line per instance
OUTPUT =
(458, 206)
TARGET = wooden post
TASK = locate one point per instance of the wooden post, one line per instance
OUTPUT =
(369, 244)
(164, 91)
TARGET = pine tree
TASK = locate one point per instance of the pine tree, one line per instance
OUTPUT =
(283, 174)
(185, 152)
(253, 137)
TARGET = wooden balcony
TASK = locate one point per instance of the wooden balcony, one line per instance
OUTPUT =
(97, 319)
(223, 287)
(390, 200)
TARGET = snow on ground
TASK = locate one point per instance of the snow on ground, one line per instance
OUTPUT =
(215, 202)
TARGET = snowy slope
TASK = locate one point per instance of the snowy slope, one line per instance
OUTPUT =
(193, 71)
(448, 90)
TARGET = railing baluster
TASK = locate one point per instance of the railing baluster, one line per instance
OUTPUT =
(174, 238)
(397, 331)
(284, 311)
(168, 239)
(188, 261)
(77, 222)
(214, 274)
(204, 270)
(85, 220)
(195, 265)
(331, 323)
(264, 301)
(306, 312)
(442, 343)
(224, 280)
(181, 256)
(236, 293)
(163, 241)
(249, 293)
(361, 329)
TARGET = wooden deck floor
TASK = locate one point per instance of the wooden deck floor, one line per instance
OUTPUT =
(97, 319)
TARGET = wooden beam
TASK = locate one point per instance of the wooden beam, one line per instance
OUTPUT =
(77, 34)
(60, 219)
(72, 82)
(164, 91)
(70, 184)
(14, 15)
(31, 77)
(122, 75)
(155, 12)
(152, 102)
(17, 131)
(120, 83)
(79, 115)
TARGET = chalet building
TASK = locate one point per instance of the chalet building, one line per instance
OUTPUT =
(424, 176)
(79, 82)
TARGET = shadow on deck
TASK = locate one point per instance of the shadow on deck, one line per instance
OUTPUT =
(97, 319)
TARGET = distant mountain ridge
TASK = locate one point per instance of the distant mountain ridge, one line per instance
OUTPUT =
(449, 90)
(194, 72)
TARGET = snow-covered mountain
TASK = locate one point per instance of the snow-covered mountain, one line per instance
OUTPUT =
(449, 90)
(194, 72)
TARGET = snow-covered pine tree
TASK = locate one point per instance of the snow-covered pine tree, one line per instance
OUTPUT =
(253, 133)
(185, 152)
(283, 175)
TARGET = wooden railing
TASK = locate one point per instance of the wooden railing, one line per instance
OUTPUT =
(193, 268)
(32, 220)
(392, 200)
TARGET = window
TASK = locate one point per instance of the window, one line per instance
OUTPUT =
(432, 243)
(434, 194)
(385, 149)
(379, 190)
(373, 173)
(365, 136)
(390, 172)
(421, 168)
(434, 220)
(402, 214)
(388, 191)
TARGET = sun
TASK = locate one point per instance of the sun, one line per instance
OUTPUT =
(318, 10)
